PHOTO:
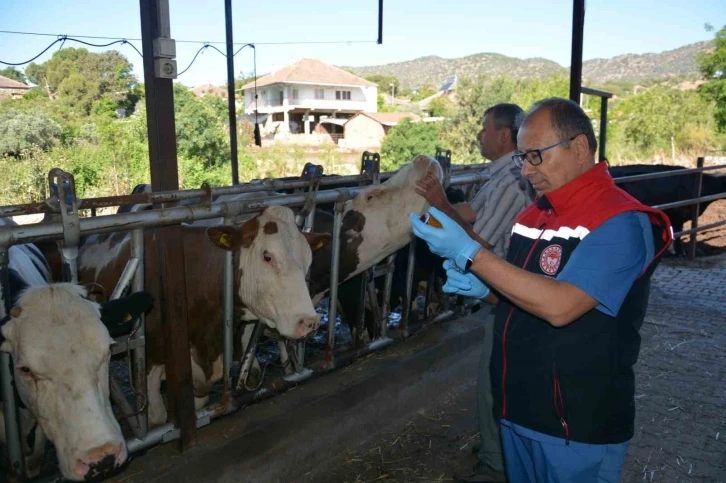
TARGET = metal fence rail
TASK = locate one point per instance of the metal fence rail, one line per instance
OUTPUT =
(309, 190)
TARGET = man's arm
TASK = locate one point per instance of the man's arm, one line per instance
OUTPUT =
(599, 273)
(466, 212)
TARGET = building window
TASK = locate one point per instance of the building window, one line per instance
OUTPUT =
(319, 94)
(294, 94)
(342, 95)
(282, 97)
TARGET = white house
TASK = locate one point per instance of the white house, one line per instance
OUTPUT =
(310, 96)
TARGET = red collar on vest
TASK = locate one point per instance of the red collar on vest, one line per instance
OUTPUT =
(577, 190)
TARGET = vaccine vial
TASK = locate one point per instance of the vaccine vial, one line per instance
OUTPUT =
(430, 220)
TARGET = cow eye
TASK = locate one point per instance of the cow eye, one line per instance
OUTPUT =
(267, 256)
(26, 370)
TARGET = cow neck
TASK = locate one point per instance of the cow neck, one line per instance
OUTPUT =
(577, 191)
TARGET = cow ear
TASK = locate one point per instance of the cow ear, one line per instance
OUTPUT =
(5, 328)
(231, 238)
(225, 237)
(317, 240)
(120, 315)
(374, 193)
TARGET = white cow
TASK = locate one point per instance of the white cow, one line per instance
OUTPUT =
(60, 349)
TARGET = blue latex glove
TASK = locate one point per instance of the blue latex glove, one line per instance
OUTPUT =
(466, 284)
(450, 242)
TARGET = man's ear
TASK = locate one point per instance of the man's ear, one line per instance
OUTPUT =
(581, 147)
(504, 135)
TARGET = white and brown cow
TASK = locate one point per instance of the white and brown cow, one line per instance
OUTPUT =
(59, 344)
(375, 225)
(271, 260)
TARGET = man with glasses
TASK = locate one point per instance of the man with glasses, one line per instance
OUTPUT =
(572, 295)
(489, 219)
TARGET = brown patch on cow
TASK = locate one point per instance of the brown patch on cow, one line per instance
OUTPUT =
(353, 220)
(15, 312)
(270, 228)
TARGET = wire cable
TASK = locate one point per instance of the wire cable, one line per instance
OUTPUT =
(62, 39)
(293, 42)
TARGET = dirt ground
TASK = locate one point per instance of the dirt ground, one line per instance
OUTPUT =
(680, 397)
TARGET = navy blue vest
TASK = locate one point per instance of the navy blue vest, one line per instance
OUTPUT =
(574, 382)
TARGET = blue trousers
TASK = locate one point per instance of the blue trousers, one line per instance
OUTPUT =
(532, 457)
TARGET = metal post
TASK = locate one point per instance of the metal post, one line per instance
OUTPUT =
(16, 463)
(370, 287)
(228, 304)
(408, 298)
(578, 25)
(71, 224)
(138, 354)
(390, 267)
(160, 69)
(380, 22)
(603, 126)
(230, 91)
(335, 267)
(694, 211)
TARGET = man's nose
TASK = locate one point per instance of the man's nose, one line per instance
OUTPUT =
(527, 168)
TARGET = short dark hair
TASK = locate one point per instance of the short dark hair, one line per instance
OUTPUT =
(509, 116)
(567, 118)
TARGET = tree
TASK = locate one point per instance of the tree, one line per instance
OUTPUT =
(474, 97)
(713, 68)
(200, 133)
(406, 140)
(654, 119)
(383, 106)
(14, 74)
(23, 131)
(422, 93)
(384, 83)
(109, 72)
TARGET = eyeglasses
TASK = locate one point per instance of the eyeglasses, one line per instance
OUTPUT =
(534, 156)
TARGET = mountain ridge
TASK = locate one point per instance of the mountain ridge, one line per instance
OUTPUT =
(433, 69)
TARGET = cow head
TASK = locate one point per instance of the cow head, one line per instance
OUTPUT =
(61, 349)
(381, 211)
(274, 259)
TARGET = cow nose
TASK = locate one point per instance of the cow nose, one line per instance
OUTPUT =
(99, 460)
(307, 325)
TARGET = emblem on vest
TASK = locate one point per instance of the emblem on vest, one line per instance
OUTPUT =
(550, 259)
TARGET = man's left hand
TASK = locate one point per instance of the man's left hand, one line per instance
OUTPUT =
(466, 284)
(451, 241)
(429, 187)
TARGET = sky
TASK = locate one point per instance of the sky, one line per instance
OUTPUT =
(411, 29)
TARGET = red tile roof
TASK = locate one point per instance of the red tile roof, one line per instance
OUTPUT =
(311, 71)
(6, 83)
